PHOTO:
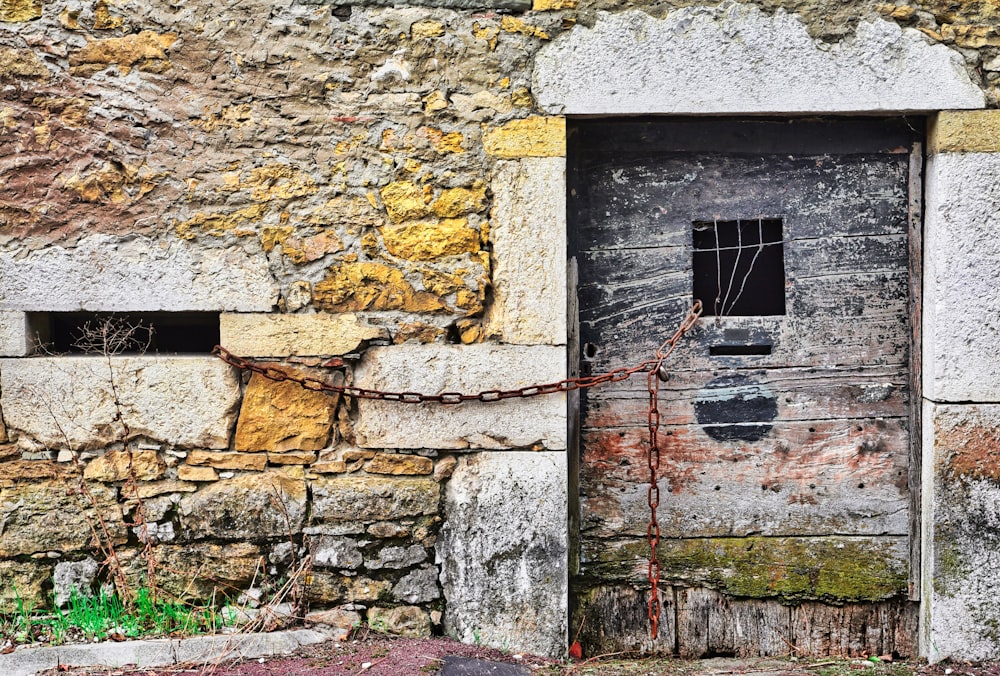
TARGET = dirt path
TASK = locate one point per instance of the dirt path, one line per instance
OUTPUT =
(378, 655)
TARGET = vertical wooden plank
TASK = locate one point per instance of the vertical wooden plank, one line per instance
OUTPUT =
(855, 629)
(614, 619)
(573, 417)
(710, 624)
(916, 220)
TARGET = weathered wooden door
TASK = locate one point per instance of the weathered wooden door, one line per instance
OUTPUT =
(786, 490)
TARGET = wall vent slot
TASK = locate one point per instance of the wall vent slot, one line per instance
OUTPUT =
(125, 332)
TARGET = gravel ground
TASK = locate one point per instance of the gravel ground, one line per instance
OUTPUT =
(378, 655)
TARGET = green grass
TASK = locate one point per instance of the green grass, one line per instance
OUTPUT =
(105, 616)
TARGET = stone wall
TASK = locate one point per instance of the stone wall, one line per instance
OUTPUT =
(381, 184)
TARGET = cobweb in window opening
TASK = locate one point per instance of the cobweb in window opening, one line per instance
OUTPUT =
(739, 266)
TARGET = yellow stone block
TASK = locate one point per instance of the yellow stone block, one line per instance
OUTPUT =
(428, 240)
(283, 416)
(531, 137)
(386, 463)
(189, 473)
(965, 131)
(17, 11)
(120, 465)
(550, 5)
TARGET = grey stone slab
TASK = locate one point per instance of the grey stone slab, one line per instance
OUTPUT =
(149, 653)
(538, 423)
(503, 551)
(961, 305)
(186, 401)
(136, 274)
(28, 661)
(469, 666)
(736, 58)
(514, 5)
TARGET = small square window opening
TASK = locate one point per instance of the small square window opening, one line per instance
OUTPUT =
(739, 267)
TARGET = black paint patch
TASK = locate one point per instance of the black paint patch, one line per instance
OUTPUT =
(734, 408)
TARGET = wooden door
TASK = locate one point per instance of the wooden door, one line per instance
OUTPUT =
(787, 496)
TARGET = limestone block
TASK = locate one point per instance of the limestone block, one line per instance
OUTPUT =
(504, 551)
(961, 532)
(73, 576)
(735, 58)
(353, 499)
(14, 340)
(418, 586)
(250, 506)
(530, 137)
(335, 588)
(120, 465)
(961, 304)
(284, 416)
(343, 621)
(408, 621)
(198, 570)
(60, 401)
(397, 557)
(23, 582)
(189, 473)
(385, 463)
(965, 131)
(528, 231)
(538, 423)
(52, 516)
(283, 335)
(254, 462)
(337, 552)
(108, 273)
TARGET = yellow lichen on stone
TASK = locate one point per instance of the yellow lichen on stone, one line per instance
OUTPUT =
(72, 111)
(43, 134)
(470, 301)
(434, 102)
(125, 51)
(103, 19)
(899, 12)
(107, 184)
(426, 29)
(22, 63)
(419, 332)
(521, 98)
(300, 249)
(348, 213)
(512, 24)
(18, 11)
(232, 117)
(444, 143)
(429, 240)
(531, 137)
(457, 201)
(219, 224)
(352, 287)
(273, 235)
(487, 32)
(972, 37)
(442, 283)
(405, 200)
(275, 181)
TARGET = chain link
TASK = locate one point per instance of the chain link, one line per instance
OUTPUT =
(653, 368)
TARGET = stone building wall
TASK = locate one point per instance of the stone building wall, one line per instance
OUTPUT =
(380, 184)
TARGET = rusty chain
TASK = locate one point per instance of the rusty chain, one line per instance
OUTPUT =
(652, 368)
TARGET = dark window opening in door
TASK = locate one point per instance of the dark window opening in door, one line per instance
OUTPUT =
(739, 266)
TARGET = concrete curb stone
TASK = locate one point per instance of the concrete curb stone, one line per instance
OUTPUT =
(158, 652)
